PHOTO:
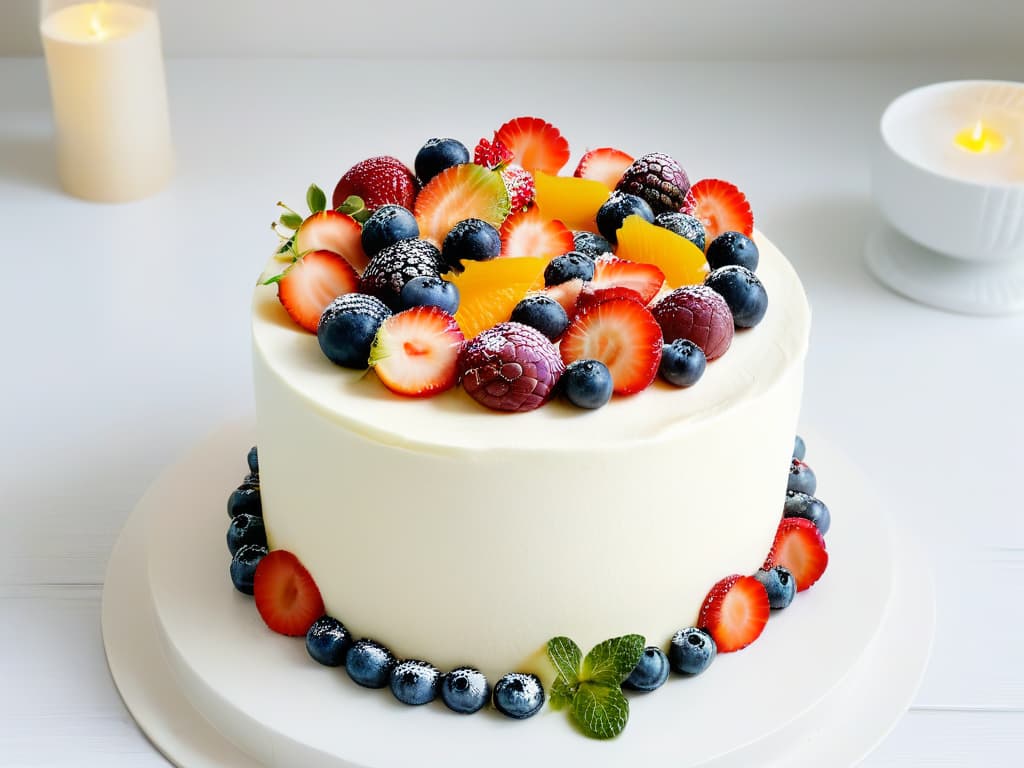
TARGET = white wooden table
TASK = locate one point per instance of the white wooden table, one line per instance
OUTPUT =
(125, 339)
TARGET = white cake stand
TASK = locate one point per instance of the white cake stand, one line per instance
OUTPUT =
(211, 686)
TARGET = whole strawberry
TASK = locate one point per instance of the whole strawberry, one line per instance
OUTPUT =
(658, 179)
(378, 181)
(510, 367)
(697, 313)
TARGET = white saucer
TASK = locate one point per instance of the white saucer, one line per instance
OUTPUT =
(828, 679)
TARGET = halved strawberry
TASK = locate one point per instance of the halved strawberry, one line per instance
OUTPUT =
(735, 612)
(528, 233)
(720, 206)
(623, 335)
(311, 283)
(645, 279)
(536, 144)
(590, 295)
(414, 352)
(566, 294)
(799, 548)
(604, 164)
(465, 191)
(286, 595)
(377, 180)
(335, 232)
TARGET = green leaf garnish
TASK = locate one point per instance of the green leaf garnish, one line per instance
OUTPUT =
(561, 694)
(601, 711)
(567, 657)
(354, 206)
(610, 662)
(291, 220)
(315, 199)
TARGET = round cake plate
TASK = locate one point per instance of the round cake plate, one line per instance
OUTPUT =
(827, 680)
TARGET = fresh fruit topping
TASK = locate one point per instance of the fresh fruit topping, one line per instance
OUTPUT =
(510, 367)
(536, 144)
(430, 291)
(543, 313)
(569, 266)
(415, 351)
(253, 459)
(348, 326)
(735, 612)
(697, 313)
(528, 233)
(572, 201)
(520, 187)
(623, 335)
(800, 549)
(590, 296)
(415, 682)
(603, 164)
(801, 478)
(369, 663)
(691, 651)
(650, 673)
(680, 260)
(377, 181)
(645, 279)
(733, 248)
(470, 240)
(335, 232)
(684, 225)
(464, 191)
(393, 267)
(587, 383)
(493, 155)
(437, 155)
(742, 291)
(490, 290)
(245, 529)
(311, 283)
(518, 695)
(245, 500)
(799, 448)
(244, 564)
(590, 244)
(682, 363)
(721, 207)
(780, 586)
(286, 595)
(658, 179)
(613, 213)
(386, 226)
(566, 294)
(465, 690)
(808, 507)
(328, 641)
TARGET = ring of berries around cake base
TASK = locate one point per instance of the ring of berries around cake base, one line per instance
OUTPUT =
(465, 536)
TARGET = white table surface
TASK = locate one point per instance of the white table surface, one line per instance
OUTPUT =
(126, 339)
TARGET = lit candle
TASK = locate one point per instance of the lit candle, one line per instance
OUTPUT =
(979, 138)
(109, 99)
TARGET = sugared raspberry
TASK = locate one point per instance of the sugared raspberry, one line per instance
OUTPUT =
(658, 179)
(510, 367)
(697, 313)
(520, 186)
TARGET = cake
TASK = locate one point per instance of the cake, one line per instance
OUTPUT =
(468, 522)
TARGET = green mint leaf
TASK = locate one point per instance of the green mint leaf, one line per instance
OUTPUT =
(566, 656)
(351, 205)
(315, 199)
(610, 662)
(562, 694)
(600, 711)
(291, 220)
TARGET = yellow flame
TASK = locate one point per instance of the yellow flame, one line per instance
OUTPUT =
(979, 129)
(980, 138)
(95, 24)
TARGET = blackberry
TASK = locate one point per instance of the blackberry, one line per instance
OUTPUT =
(657, 179)
(389, 271)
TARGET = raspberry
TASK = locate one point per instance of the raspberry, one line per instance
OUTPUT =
(520, 186)
(510, 367)
(697, 313)
(658, 179)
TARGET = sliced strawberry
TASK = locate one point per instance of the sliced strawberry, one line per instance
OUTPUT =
(645, 279)
(528, 233)
(735, 612)
(720, 206)
(466, 191)
(566, 294)
(492, 154)
(286, 595)
(313, 282)
(415, 352)
(377, 180)
(536, 144)
(623, 335)
(799, 548)
(590, 295)
(335, 232)
(604, 164)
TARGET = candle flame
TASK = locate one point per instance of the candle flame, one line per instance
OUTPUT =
(979, 129)
(95, 25)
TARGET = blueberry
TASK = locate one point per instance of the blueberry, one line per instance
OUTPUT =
(569, 266)
(615, 210)
(250, 481)
(692, 650)
(587, 383)
(801, 478)
(369, 663)
(683, 225)
(243, 566)
(386, 226)
(733, 248)
(437, 155)
(465, 690)
(470, 240)
(799, 449)
(245, 500)
(519, 695)
(327, 641)
(543, 313)
(347, 328)
(245, 529)
(682, 363)
(780, 586)
(590, 244)
(651, 671)
(415, 682)
(808, 507)
(742, 291)
(430, 291)
(254, 461)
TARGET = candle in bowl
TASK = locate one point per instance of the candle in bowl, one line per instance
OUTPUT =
(109, 98)
(980, 138)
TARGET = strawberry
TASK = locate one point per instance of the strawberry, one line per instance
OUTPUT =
(520, 186)
(377, 180)
(623, 335)
(335, 232)
(604, 164)
(286, 595)
(735, 612)
(590, 295)
(494, 155)
(720, 206)
(645, 279)
(800, 548)
(415, 352)
(528, 233)
(536, 144)
(466, 191)
(312, 282)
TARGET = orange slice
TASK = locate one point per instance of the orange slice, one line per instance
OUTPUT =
(490, 290)
(682, 262)
(572, 200)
